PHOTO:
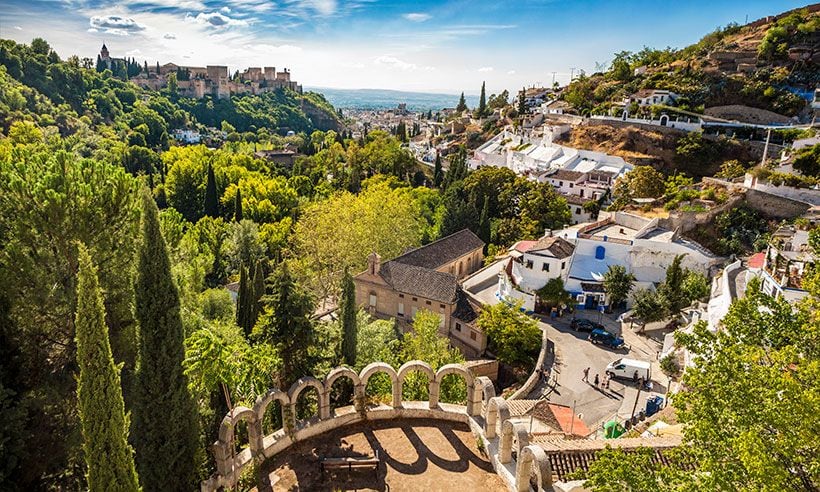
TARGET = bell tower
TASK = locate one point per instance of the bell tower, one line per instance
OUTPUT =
(104, 52)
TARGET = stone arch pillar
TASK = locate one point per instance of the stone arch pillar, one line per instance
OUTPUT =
(261, 406)
(299, 386)
(484, 391)
(533, 459)
(496, 410)
(432, 383)
(222, 447)
(469, 381)
(372, 369)
(512, 432)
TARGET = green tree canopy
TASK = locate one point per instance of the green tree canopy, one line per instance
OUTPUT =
(513, 336)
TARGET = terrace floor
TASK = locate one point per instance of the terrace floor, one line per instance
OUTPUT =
(418, 454)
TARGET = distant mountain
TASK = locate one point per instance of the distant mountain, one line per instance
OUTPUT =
(386, 99)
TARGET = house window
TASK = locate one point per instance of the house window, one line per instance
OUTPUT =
(415, 299)
(582, 192)
(401, 296)
(529, 264)
(571, 185)
(414, 311)
(578, 210)
(441, 306)
(560, 183)
(458, 326)
(428, 302)
(472, 335)
(563, 264)
(401, 309)
(580, 298)
(545, 267)
(372, 299)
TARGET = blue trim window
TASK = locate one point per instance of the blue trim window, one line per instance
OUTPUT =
(600, 252)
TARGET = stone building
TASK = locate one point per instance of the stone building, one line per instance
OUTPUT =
(428, 278)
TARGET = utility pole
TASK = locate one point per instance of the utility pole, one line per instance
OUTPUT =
(635, 406)
(553, 78)
(572, 73)
(572, 423)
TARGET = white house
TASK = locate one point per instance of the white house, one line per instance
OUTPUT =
(187, 136)
(788, 258)
(649, 97)
(531, 265)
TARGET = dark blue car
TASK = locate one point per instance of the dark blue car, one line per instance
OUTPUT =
(605, 338)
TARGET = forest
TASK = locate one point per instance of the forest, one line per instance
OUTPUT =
(117, 243)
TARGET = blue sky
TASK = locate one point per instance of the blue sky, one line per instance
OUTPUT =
(443, 46)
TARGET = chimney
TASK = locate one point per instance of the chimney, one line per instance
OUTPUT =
(548, 233)
(373, 263)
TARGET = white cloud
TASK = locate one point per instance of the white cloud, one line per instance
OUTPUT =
(284, 49)
(134, 52)
(225, 10)
(510, 72)
(169, 35)
(215, 19)
(393, 62)
(416, 16)
(321, 7)
(486, 69)
(18, 28)
(115, 24)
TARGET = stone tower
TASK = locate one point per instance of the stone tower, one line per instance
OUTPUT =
(104, 53)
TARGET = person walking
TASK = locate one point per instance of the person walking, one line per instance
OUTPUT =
(607, 380)
(596, 380)
(586, 375)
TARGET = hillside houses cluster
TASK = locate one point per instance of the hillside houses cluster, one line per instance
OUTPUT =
(210, 80)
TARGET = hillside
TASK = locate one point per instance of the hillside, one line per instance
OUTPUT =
(765, 64)
(69, 94)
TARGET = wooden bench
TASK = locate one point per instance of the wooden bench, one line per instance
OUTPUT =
(351, 463)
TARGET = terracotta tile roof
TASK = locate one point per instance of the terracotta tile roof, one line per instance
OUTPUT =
(575, 199)
(560, 417)
(520, 407)
(466, 310)
(757, 260)
(418, 281)
(524, 246)
(557, 246)
(443, 251)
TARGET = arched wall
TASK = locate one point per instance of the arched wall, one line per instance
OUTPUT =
(422, 367)
(304, 383)
(372, 368)
(533, 460)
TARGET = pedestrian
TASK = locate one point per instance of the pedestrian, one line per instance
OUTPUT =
(607, 380)
(596, 380)
(586, 375)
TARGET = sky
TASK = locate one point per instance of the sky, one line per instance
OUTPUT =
(444, 46)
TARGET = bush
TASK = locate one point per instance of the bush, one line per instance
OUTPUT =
(669, 366)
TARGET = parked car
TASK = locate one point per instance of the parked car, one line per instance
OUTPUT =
(630, 369)
(603, 337)
(581, 324)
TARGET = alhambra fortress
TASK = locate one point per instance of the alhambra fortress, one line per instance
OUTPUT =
(213, 80)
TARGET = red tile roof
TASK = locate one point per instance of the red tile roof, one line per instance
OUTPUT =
(757, 260)
(563, 415)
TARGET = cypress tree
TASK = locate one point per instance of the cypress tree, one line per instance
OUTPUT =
(522, 101)
(462, 104)
(165, 416)
(108, 457)
(286, 324)
(484, 222)
(438, 173)
(211, 199)
(482, 103)
(241, 301)
(258, 290)
(348, 317)
(157, 68)
(237, 206)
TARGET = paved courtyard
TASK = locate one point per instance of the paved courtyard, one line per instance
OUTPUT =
(427, 455)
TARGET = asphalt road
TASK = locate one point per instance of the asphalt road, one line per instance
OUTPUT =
(574, 353)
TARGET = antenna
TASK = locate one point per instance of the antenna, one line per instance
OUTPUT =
(572, 73)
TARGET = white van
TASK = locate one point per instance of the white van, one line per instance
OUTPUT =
(630, 369)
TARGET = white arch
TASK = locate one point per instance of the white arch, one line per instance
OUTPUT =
(222, 447)
(485, 392)
(469, 380)
(543, 472)
(303, 383)
(376, 367)
(261, 406)
(420, 366)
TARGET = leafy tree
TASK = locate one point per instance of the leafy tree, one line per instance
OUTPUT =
(731, 169)
(513, 336)
(425, 343)
(522, 101)
(286, 326)
(695, 285)
(164, 411)
(614, 470)
(242, 301)
(347, 313)
(458, 214)
(807, 160)
(641, 182)
(553, 293)
(648, 306)
(108, 456)
(258, 289)
(211, 199)
(618, 284)
(457, 170)
(671, 290)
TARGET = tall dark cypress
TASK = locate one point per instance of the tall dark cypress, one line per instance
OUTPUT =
(241, 301)
(438, 172)
(347, 314)
(237, 206)
(165, 431)
(258, 291)
(462, 104)
(286, 324)
(211, 199)
(484, 222)
(108, 457)
(482, 103)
